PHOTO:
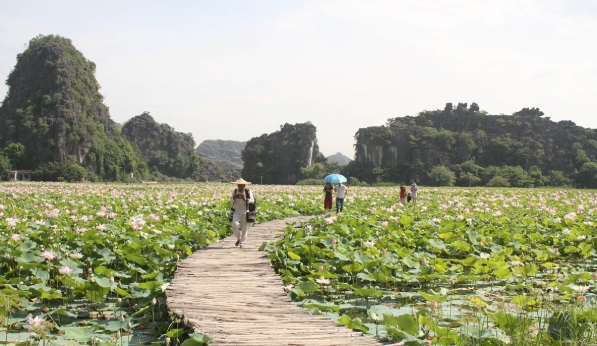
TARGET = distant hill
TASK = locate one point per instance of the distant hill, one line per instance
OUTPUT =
(212, 171)
(339, 158)
(223, 152)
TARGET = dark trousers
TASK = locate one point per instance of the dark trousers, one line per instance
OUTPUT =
(339, 204)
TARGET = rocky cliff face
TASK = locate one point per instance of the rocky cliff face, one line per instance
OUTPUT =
(414, 145)
(277, 158)
(54, 108)
(170, 152)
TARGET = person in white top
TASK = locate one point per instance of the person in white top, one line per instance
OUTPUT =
(240, 198)
(341, 191)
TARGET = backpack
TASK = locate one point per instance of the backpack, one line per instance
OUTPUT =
(250, 206)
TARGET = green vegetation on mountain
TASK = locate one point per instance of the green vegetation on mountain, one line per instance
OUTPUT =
(223, 152)
(166, 151)
(277, 158)
(465, 146)
(54, 110)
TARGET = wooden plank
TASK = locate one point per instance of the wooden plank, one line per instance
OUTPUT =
(234, 295)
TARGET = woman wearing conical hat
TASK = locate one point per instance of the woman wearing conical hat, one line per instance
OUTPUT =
(240, 199)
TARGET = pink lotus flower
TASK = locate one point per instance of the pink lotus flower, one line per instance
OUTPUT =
(65, 270)
(48, 255)
(424, 261)
(323, 281)
(37, 325)
(11, 222)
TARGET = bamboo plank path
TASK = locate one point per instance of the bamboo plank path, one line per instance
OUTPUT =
(234, 295)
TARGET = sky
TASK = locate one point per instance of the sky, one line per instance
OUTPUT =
(236, 69)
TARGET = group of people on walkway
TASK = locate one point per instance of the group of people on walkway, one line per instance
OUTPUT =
(241, 197)
(341, 190)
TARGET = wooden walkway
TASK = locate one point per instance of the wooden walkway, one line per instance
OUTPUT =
(234, 295)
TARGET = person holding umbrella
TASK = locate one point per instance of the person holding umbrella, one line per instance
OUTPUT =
(327, 200)
(340, 189)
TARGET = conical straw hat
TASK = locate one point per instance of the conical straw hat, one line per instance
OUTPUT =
(241, 181)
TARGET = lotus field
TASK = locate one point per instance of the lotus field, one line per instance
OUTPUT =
(89, 263)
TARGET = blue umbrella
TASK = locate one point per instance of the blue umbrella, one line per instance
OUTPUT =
(335, 178)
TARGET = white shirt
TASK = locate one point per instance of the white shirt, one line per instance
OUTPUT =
(341, 191)
(239, 205)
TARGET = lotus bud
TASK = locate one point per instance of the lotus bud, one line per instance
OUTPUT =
(433, 304)
(118, 335)
(121, 318)
(129, 324)
(320, 267)
(111, 279)
(154, 301)
(167, 341)
(424, 261)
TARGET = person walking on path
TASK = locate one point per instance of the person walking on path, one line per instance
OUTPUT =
(413, 192)
(240, 200)
(341, 191)
(402, 193)
(327, 200)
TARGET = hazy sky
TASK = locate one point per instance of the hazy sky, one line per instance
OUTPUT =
(235, 70)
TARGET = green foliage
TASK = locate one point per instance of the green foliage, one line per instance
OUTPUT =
(4, 166)
(468, 173)
(17, 155)
(498, 181)
(557, 178)
(587, 175)
(60, 171)
(311, 182)
(319, 170)
(441, 176)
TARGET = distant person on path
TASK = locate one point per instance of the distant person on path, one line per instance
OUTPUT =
(402, 193)
(413, 192)
(341, 191)
(240, 199)
(327, 200)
